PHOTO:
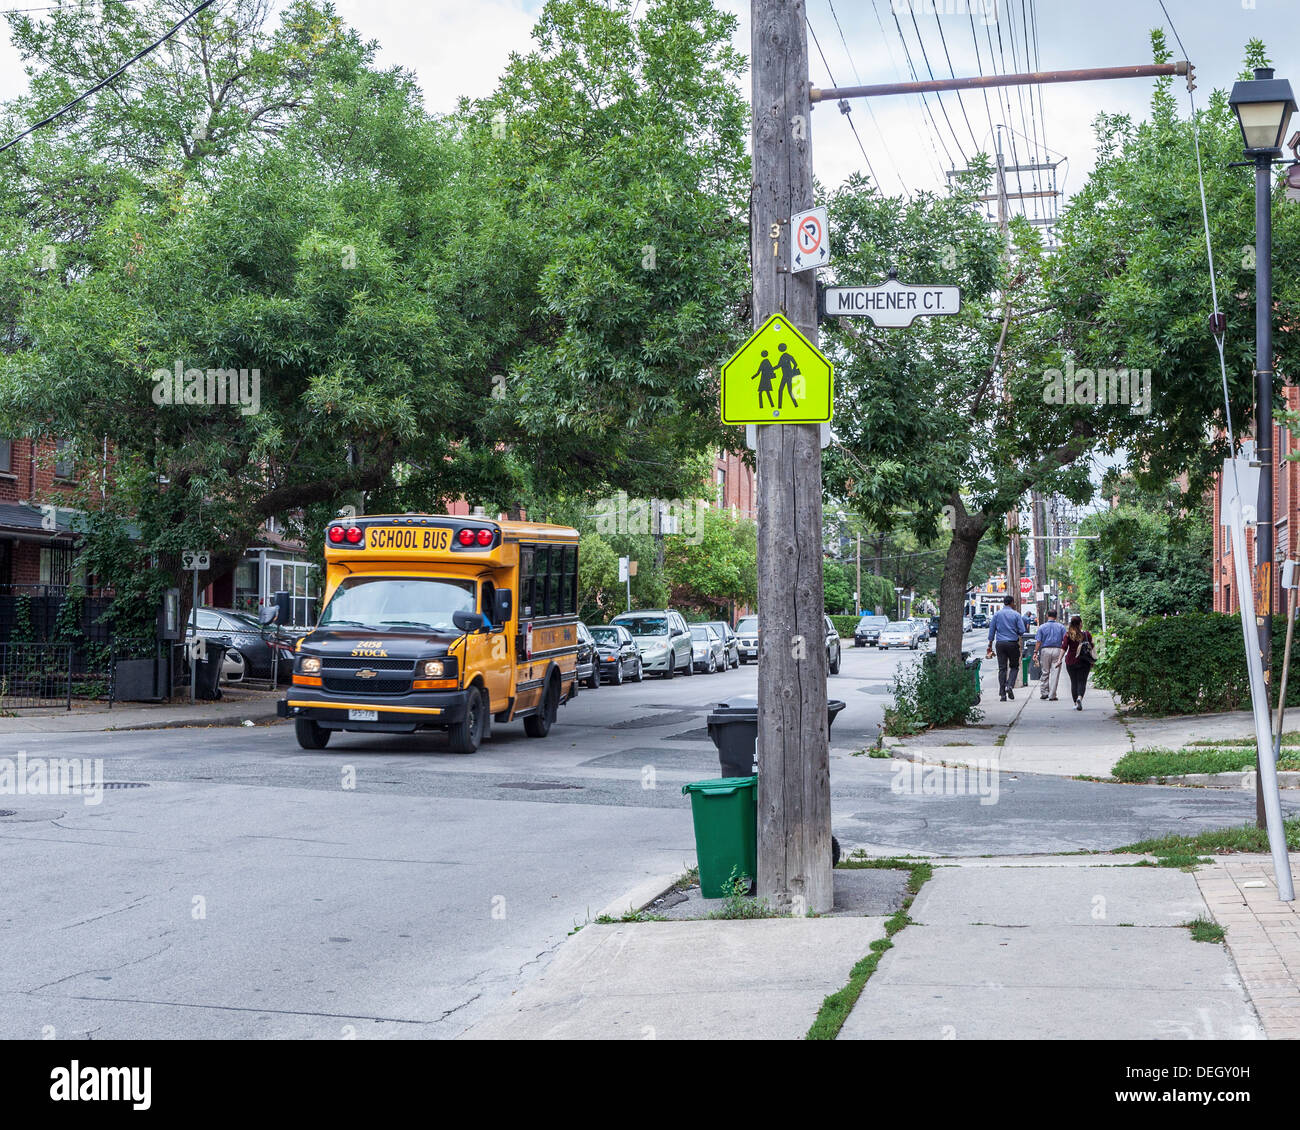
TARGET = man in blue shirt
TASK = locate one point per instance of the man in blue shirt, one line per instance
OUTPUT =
(1005, 630)
(1051, 647)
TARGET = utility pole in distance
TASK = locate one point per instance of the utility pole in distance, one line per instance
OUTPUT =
(794, 825)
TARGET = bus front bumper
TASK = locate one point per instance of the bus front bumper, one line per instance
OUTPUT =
(400, 714)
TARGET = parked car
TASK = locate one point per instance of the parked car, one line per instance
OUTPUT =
(729, 639)
(588, 664)
(922, 626)
(708, 652)
(832, 646)
(934, 625)
(868, 630)
(900, 633)
(243, 633)
(618, 654)
(233, 667)
(747, 638)
(663, 639)
(979, 620)
(967, 623)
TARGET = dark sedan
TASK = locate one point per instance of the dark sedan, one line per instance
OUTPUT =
(730, 640)
(588, 664)
(619, 656)
(242, 633)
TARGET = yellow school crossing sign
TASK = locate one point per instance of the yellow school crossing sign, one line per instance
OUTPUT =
(777, 377)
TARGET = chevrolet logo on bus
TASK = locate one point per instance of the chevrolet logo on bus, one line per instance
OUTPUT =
(366, 674)
(437, 540)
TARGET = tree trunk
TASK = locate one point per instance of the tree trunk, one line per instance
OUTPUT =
(966, 535)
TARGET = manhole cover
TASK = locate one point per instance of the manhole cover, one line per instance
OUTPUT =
(120, 785)
(536, 786)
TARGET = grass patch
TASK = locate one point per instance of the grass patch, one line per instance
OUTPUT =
(1184, 851)
(835, 1008)
(1205, 930)
(880, 753)
(1290, 737)
(1161, 763)
(630, 916)
(958, 743)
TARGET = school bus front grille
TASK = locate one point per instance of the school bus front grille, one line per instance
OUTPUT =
(391, 683)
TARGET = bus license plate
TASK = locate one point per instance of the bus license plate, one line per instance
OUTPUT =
(363, 715)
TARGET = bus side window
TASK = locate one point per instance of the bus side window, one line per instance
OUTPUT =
(542, 581)
(489, 597)
(527, 572)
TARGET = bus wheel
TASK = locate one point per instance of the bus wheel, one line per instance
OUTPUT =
(309, 734)
(539, 725)
(464, 736)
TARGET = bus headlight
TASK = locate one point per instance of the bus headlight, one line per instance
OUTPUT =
(436, 669)
(310, 665)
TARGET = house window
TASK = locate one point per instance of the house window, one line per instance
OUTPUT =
(6, 455)
(57, 565)
(64, 467)
(722, 486)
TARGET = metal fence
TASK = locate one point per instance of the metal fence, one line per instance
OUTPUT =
(35, 674)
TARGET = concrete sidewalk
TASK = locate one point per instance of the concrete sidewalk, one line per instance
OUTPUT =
(1029, 734)
(1048, 947)
(1053, 952)
(235, 708)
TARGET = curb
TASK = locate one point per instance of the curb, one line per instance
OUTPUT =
(1286, 779)
(188, 723)
(639, 897)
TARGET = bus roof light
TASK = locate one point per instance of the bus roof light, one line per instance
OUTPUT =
(353, 535)
(485, 537)
(467, 537)
(336, 534)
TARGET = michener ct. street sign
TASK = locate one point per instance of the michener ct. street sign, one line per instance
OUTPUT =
(892, 303)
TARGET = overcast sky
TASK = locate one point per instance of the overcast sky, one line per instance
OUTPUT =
(457, 47)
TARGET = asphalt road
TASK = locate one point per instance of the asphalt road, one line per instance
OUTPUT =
(386, 887)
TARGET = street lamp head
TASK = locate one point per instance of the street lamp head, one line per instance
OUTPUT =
(1263, 106)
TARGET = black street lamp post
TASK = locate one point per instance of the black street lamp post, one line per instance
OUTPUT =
(1263, 106)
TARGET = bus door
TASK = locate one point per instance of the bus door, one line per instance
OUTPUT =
(491, 653)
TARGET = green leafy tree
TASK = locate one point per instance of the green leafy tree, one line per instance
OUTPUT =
(714, 567)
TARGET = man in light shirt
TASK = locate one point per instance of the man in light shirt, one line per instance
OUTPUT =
(1005, 630)
(1051, 647)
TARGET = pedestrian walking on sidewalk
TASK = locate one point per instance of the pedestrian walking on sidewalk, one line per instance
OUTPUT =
(1079, 658)
(1051, 647)
(1005, 630)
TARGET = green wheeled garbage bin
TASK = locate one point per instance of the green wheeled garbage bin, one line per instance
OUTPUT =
(973, 665)
(1028, 646)
(725, 812)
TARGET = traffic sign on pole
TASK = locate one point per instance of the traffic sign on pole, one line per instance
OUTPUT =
(777, 377)
(810, 245)
(1026, 586)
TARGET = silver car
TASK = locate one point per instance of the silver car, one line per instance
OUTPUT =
(663, 639)
(747, 638)
(901, 633)
(708, 652)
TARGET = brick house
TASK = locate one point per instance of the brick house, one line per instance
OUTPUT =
(37, 543)
(1286, 511)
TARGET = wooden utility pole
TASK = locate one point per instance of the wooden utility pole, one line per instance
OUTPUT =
(794, 827)
(857, 602)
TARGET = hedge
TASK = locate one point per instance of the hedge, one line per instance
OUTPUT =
(845, 625)
(1190, 664)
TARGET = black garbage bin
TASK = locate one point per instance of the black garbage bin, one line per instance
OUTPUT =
(733, 728)
(207, 677)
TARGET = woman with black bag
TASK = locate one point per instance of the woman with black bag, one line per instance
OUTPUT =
(1079, 658)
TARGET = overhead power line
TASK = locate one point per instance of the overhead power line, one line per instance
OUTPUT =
(103, 83)
(844, 105)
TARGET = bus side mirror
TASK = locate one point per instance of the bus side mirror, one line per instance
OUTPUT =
(467, 621)
(502, 606)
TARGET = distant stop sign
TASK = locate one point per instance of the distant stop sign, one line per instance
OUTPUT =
(1026, 586)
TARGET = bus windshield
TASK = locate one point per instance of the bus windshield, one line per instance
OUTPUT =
(423, 603)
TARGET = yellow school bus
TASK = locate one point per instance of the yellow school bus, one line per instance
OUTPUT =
(438, 623)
